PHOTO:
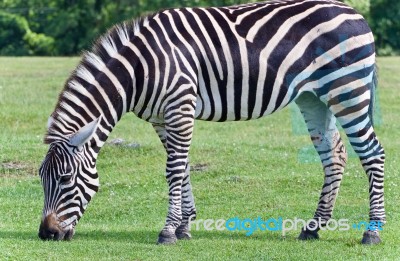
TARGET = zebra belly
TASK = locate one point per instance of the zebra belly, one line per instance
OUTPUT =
(215, 110)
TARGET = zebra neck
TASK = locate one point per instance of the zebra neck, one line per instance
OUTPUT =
(107, 83)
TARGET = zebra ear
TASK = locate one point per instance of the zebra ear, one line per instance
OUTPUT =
(84, 134)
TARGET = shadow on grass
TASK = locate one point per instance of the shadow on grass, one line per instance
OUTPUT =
(137, 236)
(149, 237)
(19, 235)
(275, 237)
(143, 236)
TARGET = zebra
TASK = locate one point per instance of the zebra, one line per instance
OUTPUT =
(217, 64)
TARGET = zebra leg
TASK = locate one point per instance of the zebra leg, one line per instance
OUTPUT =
(325, 136)
(178, 133)
(188, 206)
(357, 124)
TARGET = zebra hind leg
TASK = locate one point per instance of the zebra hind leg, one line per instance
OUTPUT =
(356, 122)
(325, 136)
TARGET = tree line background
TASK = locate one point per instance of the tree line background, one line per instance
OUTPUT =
(65, 27)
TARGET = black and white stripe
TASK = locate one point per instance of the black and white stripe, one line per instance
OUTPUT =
(224, 64)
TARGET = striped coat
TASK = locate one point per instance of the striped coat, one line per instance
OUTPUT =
(222, 64)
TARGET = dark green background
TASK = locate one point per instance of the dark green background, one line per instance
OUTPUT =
(66, 27)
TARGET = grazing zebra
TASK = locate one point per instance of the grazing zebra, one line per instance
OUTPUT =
(216, 64)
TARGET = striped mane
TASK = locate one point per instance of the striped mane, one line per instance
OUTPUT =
(64, 119)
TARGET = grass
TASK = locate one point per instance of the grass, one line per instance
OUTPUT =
(253, 169)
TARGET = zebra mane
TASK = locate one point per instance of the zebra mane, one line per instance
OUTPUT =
(64, 121)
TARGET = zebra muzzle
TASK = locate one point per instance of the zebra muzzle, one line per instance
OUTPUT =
(50, 229)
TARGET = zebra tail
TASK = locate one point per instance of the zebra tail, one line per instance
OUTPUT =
(374, 86)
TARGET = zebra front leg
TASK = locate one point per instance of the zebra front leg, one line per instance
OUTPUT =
(188, 207)
(325, 136)
(174, 175)
(178, 129)
(187, 199)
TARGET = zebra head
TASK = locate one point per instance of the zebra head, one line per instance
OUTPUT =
(69, 179)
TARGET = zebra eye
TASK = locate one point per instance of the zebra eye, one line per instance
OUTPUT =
(66, 178)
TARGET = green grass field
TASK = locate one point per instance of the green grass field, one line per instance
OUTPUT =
(252, 169)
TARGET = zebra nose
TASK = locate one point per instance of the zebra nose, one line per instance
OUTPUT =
(49, 229)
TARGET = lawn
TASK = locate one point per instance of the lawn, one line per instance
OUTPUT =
(261, 168)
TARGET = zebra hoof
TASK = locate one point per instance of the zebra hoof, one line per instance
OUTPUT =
(308, 235)
(371, 238)
(182, 232)
(166, 237)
